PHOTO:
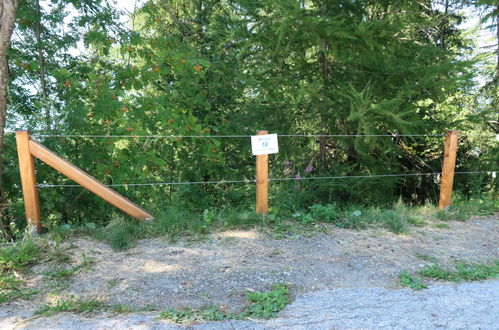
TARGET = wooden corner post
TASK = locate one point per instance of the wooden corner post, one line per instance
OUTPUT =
(448, 166)
(28, 181)
(29, 149)
(262, 181)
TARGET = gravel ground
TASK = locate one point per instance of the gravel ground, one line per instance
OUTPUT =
(463, 306)
(218, 270)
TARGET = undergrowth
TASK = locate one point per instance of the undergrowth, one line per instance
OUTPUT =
(462, 271)
(261, 305)
(17, 257)
(407, 280)
(173, 222)
(14, 259)
(71, 305)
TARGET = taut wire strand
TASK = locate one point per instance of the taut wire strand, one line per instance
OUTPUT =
(227, 136)
(274, 179)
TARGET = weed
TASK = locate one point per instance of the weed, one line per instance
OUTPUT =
(71, 305)
(59, 278)
(180, 316)
(10, 288)
(213, 313)
(267, 304)
(16, 257)
(122, 309)
(441, 226)
(325, 213)
(426, 257)
(462, 209)
(263, 305)
(463, 271)
(407, 280)
(148, 308)
(19, 255)
(113, 282)
(173, 222)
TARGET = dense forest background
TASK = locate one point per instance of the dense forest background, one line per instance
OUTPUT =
(222, 67)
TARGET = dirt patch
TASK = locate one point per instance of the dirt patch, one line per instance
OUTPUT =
(218, 270)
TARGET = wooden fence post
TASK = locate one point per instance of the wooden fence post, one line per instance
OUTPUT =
(87, 181)
(28, 181)
(449, 164)
(262, 181)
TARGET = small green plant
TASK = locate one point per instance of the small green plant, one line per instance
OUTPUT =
(262, 305)
(15, 258)
(463, 271)
(426, 257)
(113, 282)
(325, 213)
(148, 308)
(267, 304)
(184, 315)
(464, 208)
(407, 280)
(19, 255)
(10, 288)
(71, 305)
(59, 277)
(122, 309)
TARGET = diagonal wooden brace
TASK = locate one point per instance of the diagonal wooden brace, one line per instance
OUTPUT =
(74, 173)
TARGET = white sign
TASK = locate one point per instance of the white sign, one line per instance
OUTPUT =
(264, 144)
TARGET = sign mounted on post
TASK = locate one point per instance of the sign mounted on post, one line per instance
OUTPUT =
(264, 144)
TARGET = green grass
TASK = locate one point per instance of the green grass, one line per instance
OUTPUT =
(173, 222)
(462, 271)
(121, 234)
(11, 288)
(19, 255)
(261, 305)
(462, 209)
(189, 315)
(66, 273)
(15, 258)
(71, 305)
(425, 257)
(409, 281)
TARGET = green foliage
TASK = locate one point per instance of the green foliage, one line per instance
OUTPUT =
(180, 68)
(407, 280)
(19, 255)
(324, 213)
(463, 271)
(72, 304)
(11, 288)
(267, 304)
(262, 305)
(464, 208)
(188, 315)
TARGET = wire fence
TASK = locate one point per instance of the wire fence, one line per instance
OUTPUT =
(393, 135)
(247, 181)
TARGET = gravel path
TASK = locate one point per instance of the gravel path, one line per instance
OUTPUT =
(463, 306)
(339, 279)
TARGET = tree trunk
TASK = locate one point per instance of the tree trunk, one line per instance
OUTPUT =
(41, 63)
(497, 35)
(7, 21)
(323, 125)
